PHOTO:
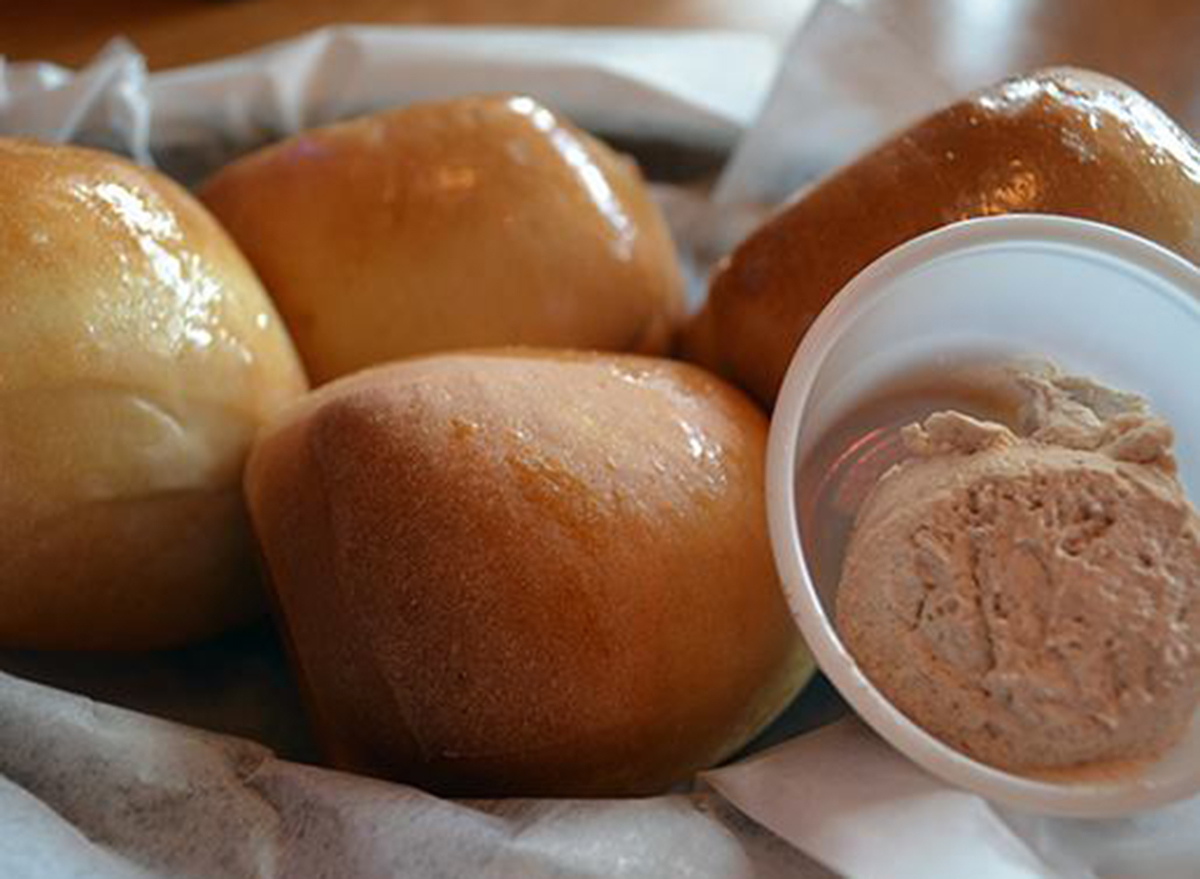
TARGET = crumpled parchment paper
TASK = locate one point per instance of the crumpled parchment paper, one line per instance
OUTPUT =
(87, 789)
(691, 88)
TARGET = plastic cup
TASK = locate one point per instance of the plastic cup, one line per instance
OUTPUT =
(1092, 299)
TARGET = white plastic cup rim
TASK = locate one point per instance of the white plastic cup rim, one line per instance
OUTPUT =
(1122, 793)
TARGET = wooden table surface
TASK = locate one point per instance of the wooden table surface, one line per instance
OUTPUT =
(1154, 44)
(173, 32)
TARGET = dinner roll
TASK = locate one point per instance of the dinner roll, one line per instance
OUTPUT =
(471, 222)
(1059, 142)
(524, 573)
(138, 355)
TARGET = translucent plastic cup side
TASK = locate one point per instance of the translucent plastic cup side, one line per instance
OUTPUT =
(1092, 299)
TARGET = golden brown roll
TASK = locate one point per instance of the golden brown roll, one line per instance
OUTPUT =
(138, 355)
(471, 222)
(527, 573)
(1059, 141)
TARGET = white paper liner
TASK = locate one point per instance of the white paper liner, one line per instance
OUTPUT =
(91, 790)
(695, 88)
(843, 796)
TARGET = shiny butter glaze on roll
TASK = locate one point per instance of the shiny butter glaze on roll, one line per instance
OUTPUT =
(464, 223)
(1058, 142)
(527, 572)
(138, 357)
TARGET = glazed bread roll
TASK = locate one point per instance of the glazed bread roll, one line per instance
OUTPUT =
(471, 222)
(523, 573)
(138, 355)
(1059, 142)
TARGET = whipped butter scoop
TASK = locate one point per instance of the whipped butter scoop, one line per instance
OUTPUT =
(1031, 596)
